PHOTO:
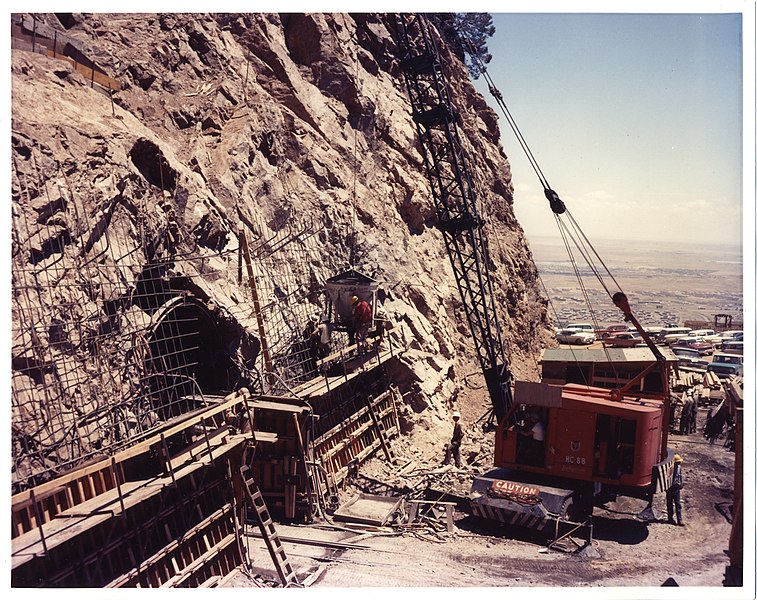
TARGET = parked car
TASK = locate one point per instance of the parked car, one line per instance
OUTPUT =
(733, 347)
(731, 359)
(724, 365)
(689, 359)
(695, 343)
(581, 326)
(668, 335)
(612, 330)
(701, 332)
(724, 336)
(627, 339)
(575, 336)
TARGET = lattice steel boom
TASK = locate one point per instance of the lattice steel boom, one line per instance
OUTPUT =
(454, 199)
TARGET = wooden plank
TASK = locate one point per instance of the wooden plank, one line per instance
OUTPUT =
(16, 525)
(319, 385)
(78, 474)
(210, 582)
(195, 565)
(164, 554)
(85, 516)
(39, 495)
(362, 413)
(312, 542)
(99, 482)
(339, 354)
(188, 453)
(278, 406)
(342, 473)
(344, 424)
(349, 438)
(174, 566)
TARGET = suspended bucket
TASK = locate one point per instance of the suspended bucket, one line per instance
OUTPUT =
(341, 288)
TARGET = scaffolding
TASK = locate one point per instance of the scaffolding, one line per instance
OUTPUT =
(124, 317)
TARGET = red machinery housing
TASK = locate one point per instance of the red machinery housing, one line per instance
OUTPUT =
(598, 443)
(589, 436)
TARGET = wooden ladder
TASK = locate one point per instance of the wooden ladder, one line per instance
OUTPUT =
(268, 531)
(380, 433)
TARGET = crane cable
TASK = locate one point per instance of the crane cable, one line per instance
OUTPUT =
(570, 230)
(577, 235)
(354, 163)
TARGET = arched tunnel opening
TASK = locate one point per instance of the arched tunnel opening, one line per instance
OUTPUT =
(194, 353)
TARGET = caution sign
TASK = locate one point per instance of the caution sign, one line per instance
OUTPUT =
(517, 492)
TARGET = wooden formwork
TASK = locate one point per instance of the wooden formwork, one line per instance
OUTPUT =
(365, 432)
(166, 512)
(279, 467)
(162, 513)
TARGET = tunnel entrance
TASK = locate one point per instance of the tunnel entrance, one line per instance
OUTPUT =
(189, 356)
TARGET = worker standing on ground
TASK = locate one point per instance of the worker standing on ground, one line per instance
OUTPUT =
(453, 448)
(694, 412)
(361, 316)
(685, 416)
(673, 494)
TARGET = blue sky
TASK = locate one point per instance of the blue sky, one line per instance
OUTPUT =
(635, 120)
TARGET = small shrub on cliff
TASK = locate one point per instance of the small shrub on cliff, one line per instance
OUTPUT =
(467, 35)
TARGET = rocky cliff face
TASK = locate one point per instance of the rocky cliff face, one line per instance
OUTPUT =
(293, 127)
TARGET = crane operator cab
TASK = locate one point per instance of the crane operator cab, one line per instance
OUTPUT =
(589, 436)
(530, 433)
(567, 445)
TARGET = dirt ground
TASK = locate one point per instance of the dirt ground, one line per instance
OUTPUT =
(629, 553)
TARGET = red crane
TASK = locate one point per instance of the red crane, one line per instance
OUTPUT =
(558, 449)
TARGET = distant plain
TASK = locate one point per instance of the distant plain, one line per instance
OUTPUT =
(665, 282)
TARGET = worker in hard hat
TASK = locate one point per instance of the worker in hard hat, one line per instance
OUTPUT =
(673, 493)
(362, 315)
(453, 448)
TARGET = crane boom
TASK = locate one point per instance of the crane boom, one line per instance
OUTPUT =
(454, 200)
(593, 442)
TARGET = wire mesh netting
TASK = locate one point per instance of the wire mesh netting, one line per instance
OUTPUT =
(124, 318)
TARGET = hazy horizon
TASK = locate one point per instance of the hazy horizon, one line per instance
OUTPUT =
(665, 281)
(621, 243)
(636, 120)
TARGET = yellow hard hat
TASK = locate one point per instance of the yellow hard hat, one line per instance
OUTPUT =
(677, 458)
(355, 299)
